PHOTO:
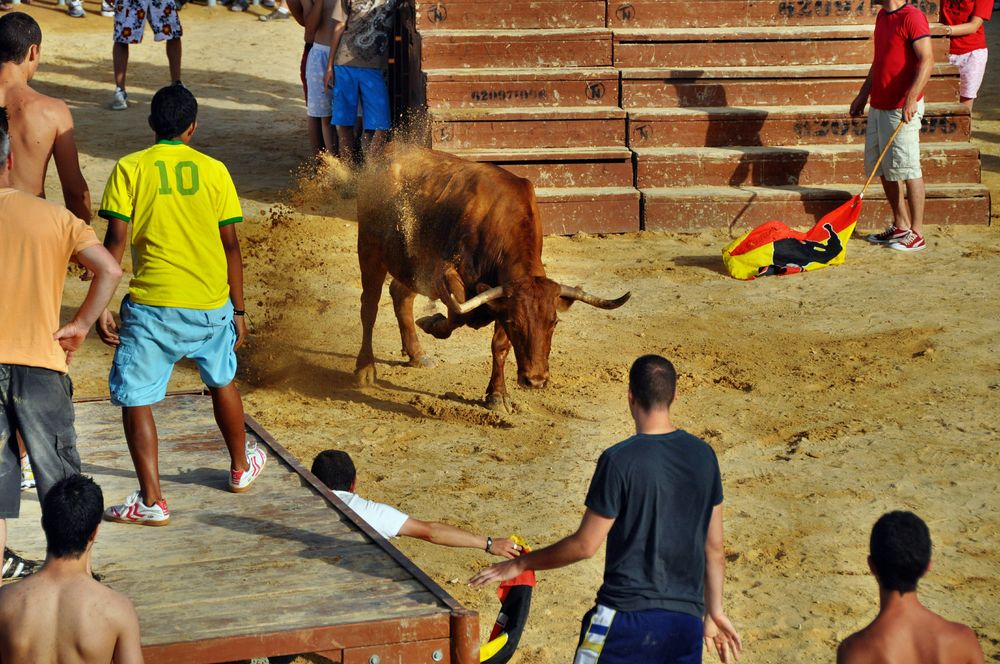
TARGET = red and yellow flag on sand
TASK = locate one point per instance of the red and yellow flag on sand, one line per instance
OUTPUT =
(774, 248)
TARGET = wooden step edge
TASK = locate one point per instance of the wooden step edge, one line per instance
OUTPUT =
(697, 112)
(743, 34)
(508, 34)
(772, 72)
(746, 33)
(806, 192)
(526, 113)
(516, 155)
(547, 194)
(820, 149)
(521, 74)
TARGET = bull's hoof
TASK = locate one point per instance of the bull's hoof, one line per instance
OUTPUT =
(422, 362)
(365, 375)
(498, 402)
(436, 326)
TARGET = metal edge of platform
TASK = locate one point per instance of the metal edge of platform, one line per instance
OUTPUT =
(331, 640)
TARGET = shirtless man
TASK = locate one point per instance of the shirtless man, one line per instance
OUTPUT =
(319, 98)
(41, 127)
(904, 629)
(61, 614)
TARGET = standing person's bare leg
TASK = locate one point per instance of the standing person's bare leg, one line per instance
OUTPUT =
(377, 144)
(119, 56)
(228, 408)
(317, 141)
(894, 195)
(330, 142)
(345, 134)
(915, 198)
(143, 446)
(174, 59)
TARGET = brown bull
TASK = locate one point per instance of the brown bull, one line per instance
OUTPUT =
(469, 235)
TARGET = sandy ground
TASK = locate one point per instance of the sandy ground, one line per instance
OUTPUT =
(829, 397)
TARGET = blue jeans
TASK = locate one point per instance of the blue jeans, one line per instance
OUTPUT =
(652, 636)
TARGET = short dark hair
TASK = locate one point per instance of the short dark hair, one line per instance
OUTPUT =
(18, 33)
(172, 110)
(71, 512)
(335, 469)
(653, 382)
(900, 550)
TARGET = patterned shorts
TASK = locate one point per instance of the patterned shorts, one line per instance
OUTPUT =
(131, 17)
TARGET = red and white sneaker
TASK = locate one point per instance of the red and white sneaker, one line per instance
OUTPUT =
(134, 511)
(912, 241)
(240, 480)
(890, 235)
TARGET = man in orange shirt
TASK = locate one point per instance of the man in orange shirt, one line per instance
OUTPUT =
(39, 239)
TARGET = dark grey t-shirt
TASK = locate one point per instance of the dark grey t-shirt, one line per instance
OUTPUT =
(661, 491)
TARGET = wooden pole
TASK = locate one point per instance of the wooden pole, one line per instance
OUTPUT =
(881, 156)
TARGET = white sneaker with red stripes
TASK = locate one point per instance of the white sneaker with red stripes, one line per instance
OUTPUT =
(240, 480)
(133, 510)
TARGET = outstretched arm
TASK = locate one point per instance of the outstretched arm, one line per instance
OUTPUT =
(445, 535)
(74, 186)
(581, 545)
(234, 262)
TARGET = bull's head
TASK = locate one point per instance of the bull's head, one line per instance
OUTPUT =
(528, 311)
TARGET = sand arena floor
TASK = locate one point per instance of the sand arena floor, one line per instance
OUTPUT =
(829, 397)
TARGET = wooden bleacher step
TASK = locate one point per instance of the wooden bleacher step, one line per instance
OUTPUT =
(561, 168)
(741, 208)
(505, 88)
(942, 163)
(776, 125)
(509, 15)
(745, 13)
(761, 86)
(527, 127)
(750, 47)
(477, 49)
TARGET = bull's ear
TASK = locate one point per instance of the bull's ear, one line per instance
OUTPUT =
(564, 303)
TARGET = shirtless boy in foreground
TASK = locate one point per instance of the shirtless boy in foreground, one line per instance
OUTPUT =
(41, 127)
(904, 629)
(60, 613)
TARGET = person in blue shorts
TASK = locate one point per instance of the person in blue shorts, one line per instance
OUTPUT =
(360, 48)
(657, 499)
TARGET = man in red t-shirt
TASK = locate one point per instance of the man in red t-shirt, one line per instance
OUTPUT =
(900, 70)
(964, 19)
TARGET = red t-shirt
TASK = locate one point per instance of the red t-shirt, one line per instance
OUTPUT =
(957, 12)
(895, 66)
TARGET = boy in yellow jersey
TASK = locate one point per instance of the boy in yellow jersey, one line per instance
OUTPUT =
(185, 300)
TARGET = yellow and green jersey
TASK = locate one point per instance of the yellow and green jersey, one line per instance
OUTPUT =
(176, 199)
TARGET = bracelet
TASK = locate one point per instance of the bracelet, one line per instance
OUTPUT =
(239, 312)
(489, 544)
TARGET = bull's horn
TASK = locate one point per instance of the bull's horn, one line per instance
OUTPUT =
(594, 301)
(482, 298)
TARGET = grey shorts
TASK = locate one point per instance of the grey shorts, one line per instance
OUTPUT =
(902, 161)
(38, 403)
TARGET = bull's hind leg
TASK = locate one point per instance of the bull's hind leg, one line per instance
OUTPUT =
(402, 304)
(496, 391)
(372, 279)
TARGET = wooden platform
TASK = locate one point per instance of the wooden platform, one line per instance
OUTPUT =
(285, 568)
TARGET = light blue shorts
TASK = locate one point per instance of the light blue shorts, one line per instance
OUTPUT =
(351, 82)
(153, 339)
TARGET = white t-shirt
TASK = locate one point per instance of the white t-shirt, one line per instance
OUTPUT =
(386, 520)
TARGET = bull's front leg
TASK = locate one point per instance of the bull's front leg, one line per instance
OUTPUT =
(372, 279)
(438, 326)
(402, 304)
(496, 391)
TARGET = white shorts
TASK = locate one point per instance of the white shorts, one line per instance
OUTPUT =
(319, 98)
(971, 69)
(131, 17)
(902, 161)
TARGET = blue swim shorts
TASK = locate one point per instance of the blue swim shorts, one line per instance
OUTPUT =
(153, 339)
(351, 82)
(651, 636)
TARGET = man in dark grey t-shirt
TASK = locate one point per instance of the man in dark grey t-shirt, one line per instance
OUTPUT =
(657, 499)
